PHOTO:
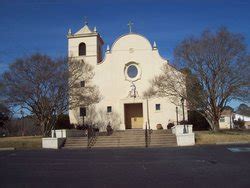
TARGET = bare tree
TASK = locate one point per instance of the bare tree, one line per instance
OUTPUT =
(218, 67)
(243, 109)
(44, 87)
(171, 84)
(5, 112)
(82, 91)
(5, 115)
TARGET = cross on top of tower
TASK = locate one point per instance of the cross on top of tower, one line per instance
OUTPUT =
(130, 26)
(85, 20)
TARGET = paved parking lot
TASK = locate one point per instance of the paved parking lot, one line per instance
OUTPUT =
(199, 166)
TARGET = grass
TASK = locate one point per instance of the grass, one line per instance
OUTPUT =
(21, 142)
(209, 137)
(202, 137)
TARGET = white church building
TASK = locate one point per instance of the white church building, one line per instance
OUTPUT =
(122, 75)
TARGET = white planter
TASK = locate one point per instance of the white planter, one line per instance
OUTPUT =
(52, 143)
(185, 139)
(178, 129)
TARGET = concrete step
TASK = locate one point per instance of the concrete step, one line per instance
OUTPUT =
(126, 134)
(122, 138)
(135, 141)
(111, 138)
(160, 134)
(164, 138)
(73, 147)
(160, 137)
(76, 142)
(162, 146)
(127, 138)
(120, 141)
(162, 131)
(75, 138)
(170, 142)
(119, 145)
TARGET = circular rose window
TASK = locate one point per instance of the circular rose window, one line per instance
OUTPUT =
(132, 71)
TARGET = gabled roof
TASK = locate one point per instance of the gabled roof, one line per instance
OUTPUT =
(84, 30)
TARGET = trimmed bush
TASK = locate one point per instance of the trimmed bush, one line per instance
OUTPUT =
(159, 127)
(63, 122)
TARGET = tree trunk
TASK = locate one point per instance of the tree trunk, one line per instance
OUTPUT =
(42, 128)
(45, 127)
(216, 126)
(210, 122)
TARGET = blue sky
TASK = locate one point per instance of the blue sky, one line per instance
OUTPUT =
(30, 26)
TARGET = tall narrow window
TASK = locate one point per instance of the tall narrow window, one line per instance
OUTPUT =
(157, 106)
(82, 49)
(109, 109)
(82, 111)
(99, 52)
(82, 83)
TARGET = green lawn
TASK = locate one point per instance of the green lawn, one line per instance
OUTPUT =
(21, 142)
(202, 137)
(209, 137)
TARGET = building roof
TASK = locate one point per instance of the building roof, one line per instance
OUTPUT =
(227, 112)
(242, 117)
(84, 30)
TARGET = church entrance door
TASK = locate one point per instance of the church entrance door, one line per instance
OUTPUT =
(133, 116)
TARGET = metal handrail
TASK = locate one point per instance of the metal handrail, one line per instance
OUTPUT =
(92, 136)
(147, 135)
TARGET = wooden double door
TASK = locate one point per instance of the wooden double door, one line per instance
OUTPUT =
(133, 115)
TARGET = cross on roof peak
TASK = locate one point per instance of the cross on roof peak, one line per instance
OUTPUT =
(130, 26)
(85, 20)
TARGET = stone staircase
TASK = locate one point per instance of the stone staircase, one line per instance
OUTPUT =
(162, 138)
(76, 143)
(127, 138)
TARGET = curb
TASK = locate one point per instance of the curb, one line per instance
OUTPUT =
(224, 143)
(7, 149)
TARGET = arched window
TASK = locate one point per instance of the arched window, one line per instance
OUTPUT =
(82, 49)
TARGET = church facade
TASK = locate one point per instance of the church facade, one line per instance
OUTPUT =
(122, 76)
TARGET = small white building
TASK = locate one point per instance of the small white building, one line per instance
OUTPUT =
(122, 76)
(226, 122)
(246, 119)
(228, 117)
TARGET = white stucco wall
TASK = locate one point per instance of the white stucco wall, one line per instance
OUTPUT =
(111, 78)
(225, 122)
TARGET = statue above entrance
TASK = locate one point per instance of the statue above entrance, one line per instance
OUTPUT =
(133, 92)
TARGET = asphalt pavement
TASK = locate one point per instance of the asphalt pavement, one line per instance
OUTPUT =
(198, 166)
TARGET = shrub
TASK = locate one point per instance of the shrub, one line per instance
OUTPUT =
(197, 120)
(239, 123)
(159, 127)
(184, 122)
(63, 122)
(170, 125)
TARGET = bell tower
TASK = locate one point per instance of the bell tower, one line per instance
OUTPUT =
(85, 45)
